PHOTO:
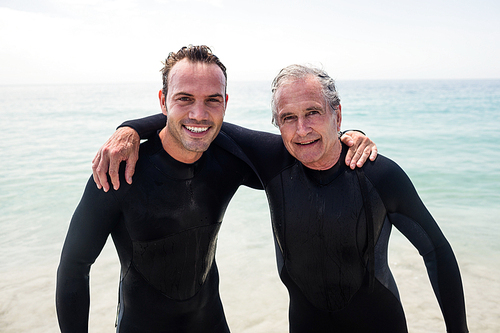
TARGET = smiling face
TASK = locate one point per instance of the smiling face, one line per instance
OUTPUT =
(195, 106)
(308, 127)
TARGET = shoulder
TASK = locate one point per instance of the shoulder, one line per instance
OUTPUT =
(391, 182)
(150, 146)
(382, 169)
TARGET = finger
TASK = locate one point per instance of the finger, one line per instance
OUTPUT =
(369, 151)
(350, 155)
(374, 153)
(130, 168)
(363, 152)
(102, 170)
(355, 159)
(355, 152)
(95, 163)
(357, 156)
(347, 140)
(114, 167)
(363, 157)
(96, 158)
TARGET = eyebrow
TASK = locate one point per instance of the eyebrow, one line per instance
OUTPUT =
(283, 115)
(191, 95)
(311, 108)
(314, 108)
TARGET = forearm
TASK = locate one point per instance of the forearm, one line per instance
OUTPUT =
(92, 222)
(446, 281)
(147, 126)
(72, 300)
(408, 213)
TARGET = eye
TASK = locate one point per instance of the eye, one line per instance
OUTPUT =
(288, 119)
(215, 101)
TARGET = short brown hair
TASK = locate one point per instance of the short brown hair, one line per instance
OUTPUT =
(197, 53)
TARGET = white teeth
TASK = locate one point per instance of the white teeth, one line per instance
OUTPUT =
(306, 143)
(197, 129)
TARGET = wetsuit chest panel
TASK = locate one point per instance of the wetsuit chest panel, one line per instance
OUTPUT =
(173, 212)
(323, 235)
(160, 206)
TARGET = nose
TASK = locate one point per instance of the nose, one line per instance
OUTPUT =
(303, 128)
(198, 112)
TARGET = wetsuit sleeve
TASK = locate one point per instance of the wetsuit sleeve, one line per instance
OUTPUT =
(90, 226)
(147, 126)
(408, 214)
(265, 150)
(252, 180)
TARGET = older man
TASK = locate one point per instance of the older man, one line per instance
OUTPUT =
(333, 231)
(332, 224)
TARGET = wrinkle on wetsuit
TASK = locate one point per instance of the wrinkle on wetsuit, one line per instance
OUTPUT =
(321, 238)
(164, 227)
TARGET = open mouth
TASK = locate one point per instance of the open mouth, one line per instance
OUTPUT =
(307, 142)
(197, 129)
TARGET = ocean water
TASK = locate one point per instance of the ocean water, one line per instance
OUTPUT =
(444, 134)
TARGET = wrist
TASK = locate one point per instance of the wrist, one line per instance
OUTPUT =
(352, 130)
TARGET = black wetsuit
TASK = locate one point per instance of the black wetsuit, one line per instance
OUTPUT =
(332, 230)
(164, 227)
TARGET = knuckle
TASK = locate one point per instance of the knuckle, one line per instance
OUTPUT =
(104, 150)
(115, 152)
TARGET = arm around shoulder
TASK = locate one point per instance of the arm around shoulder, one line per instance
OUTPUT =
(123, 146)
(146, 126)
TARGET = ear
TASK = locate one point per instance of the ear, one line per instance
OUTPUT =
(339, 116)
(163, 100)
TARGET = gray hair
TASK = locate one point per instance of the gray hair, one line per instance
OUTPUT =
(294, 72)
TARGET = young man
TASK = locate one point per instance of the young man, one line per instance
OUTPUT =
(165, 225)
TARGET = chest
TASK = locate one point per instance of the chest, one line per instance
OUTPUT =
(328, 218)
(159, 206)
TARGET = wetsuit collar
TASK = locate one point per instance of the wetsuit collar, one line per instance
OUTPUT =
(324, 177)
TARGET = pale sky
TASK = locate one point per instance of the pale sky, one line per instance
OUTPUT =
(108, 41)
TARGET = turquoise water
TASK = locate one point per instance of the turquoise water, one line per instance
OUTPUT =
(444, 134)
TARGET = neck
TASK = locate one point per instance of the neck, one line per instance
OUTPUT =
(175, 148)
(329, 161)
